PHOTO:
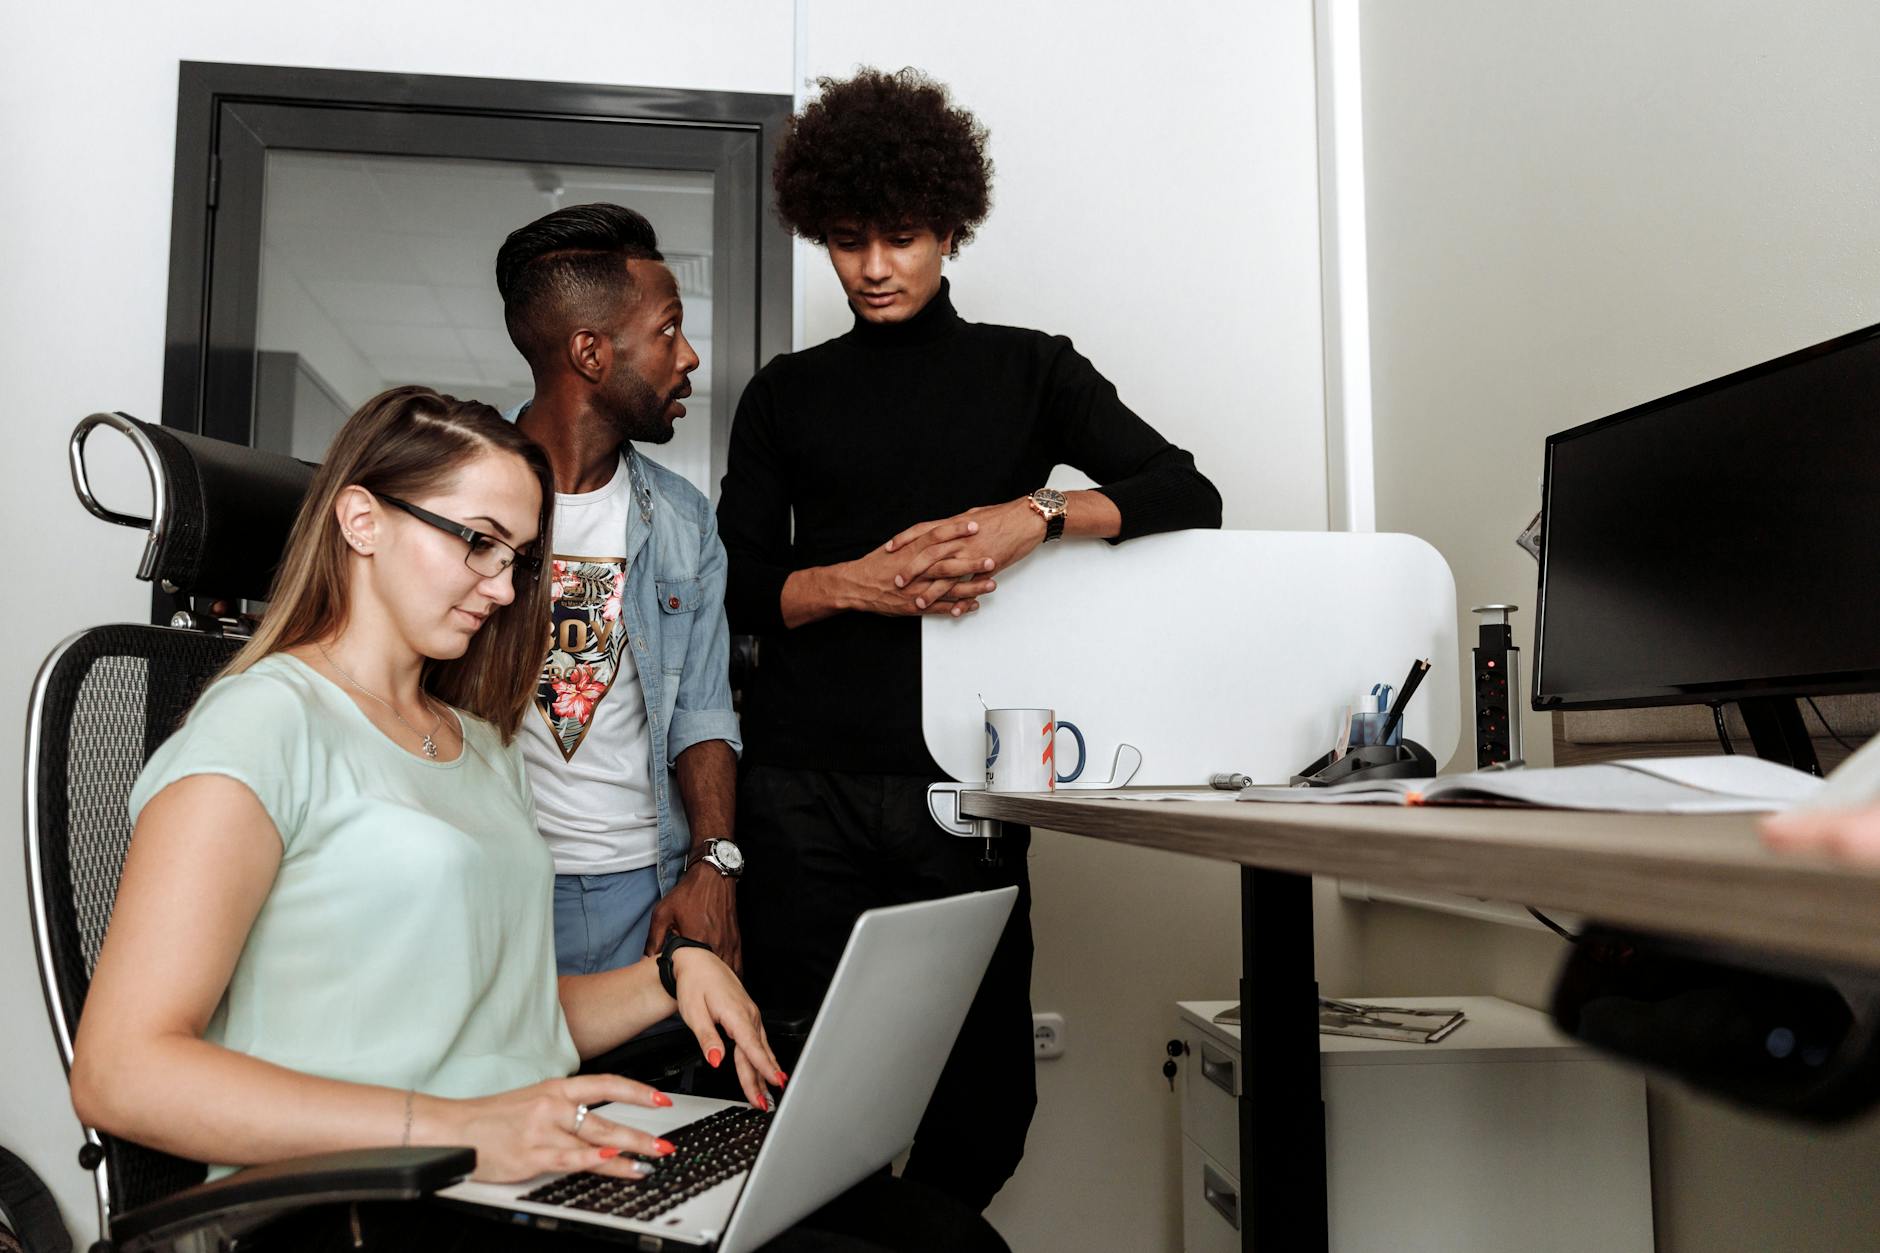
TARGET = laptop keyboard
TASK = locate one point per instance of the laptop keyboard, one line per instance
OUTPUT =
(705, 1154)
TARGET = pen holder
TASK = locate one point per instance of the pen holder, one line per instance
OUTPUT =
(1405, 760)
(1365, 728)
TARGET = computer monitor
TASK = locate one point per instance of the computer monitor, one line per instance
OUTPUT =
(1720, 544)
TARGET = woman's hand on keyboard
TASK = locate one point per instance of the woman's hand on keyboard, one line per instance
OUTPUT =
(533, 1131)
(710, 997)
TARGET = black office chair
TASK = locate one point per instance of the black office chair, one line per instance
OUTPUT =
(103, 702)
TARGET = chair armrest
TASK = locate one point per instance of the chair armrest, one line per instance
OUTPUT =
(787, 1030)
(261, 1192)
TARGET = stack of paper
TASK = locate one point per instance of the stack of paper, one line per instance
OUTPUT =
(1650, 785)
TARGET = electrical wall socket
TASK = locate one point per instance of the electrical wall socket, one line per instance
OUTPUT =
(1047, 1036)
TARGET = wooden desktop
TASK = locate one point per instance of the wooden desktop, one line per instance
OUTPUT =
(1701, 877)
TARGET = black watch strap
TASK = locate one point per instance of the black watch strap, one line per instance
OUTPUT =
(675, 942)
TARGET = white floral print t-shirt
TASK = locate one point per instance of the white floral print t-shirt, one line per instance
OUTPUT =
(586, 741)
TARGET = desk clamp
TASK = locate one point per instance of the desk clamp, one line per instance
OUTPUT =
(943, 802)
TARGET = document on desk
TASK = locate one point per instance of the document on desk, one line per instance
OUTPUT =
(1190, 794)
(1646, 785)
(1387, 1022)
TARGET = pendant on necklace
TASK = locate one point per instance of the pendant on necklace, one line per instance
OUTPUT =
(430, 747)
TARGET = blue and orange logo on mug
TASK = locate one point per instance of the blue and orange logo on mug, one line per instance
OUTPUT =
(1020, 770)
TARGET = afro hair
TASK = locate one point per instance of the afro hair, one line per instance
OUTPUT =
(885, 150)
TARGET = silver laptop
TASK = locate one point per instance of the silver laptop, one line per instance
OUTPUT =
(870, 1064)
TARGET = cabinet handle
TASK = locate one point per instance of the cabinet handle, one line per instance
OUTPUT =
(1216, 1192)
(1217, 1069)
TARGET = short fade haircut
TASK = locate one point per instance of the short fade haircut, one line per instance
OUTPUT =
(567, 270)
(886, 150)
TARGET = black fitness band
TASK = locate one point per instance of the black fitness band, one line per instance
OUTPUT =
(675, 942)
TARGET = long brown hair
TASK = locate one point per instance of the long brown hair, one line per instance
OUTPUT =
(406, 442)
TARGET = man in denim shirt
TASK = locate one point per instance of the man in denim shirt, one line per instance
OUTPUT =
(634, 702)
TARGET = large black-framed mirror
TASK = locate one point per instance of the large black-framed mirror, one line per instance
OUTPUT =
(333, 233)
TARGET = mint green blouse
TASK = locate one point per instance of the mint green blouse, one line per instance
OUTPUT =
(408, 938)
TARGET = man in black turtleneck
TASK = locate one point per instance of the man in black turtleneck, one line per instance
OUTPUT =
(892, 472)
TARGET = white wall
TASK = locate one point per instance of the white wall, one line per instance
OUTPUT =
(1573, 208)
(1576, 208)
(1155, 200)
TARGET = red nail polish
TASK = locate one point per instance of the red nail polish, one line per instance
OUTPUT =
(762, 1103)
(608, 1152)
(661, 1099)
(782, 1078)
(662, 1147)
(713, 1057)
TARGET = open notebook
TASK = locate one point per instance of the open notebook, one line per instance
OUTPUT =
(1653, 785)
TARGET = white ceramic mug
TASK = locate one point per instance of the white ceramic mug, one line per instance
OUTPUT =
(1021, 750)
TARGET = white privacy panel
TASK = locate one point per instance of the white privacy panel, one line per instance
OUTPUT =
(1208, 650)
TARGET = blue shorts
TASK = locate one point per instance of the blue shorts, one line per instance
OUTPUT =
(602, 920)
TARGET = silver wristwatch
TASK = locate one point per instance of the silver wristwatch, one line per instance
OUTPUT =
(721, 855)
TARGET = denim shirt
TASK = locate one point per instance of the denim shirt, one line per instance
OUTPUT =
(674, 609)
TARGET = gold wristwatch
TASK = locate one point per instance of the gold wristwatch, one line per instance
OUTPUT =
(1048, 503)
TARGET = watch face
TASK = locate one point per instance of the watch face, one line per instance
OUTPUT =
(728, 855)
(1049, 499)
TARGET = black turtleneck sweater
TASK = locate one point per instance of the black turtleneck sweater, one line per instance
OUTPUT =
(867, 434)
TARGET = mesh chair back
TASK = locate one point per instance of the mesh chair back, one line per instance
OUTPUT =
(103, 703)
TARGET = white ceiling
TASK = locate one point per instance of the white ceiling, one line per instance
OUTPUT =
(380, 270)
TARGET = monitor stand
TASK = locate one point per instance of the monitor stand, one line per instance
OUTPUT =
(1778, 732)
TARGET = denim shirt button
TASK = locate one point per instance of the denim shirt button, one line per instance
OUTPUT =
(672, 602)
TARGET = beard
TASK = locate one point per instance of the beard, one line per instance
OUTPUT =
(638, 411)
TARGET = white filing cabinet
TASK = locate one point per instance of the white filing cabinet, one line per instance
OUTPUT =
(1506, 1135)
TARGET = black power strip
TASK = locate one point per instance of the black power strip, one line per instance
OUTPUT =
(1497, 687)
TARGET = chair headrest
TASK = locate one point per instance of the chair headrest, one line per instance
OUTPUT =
(220, 512)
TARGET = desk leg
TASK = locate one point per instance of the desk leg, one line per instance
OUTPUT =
(1282, 1117)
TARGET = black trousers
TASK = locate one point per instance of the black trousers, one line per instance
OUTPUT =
(821, 848)
(877, 1215)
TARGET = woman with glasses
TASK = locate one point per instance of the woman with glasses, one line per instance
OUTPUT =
(333, 928)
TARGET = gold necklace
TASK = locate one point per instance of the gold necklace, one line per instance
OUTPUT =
(430, 745)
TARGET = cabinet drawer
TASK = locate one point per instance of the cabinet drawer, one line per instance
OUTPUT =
(1211, 1214)
(1210, 1098)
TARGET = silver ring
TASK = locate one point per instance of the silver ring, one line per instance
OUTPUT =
(580, 1116)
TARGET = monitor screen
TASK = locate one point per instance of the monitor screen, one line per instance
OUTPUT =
(1720, 543)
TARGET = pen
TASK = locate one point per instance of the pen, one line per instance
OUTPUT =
(1417, 670)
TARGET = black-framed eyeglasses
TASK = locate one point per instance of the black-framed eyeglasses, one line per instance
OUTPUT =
(488, 556)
